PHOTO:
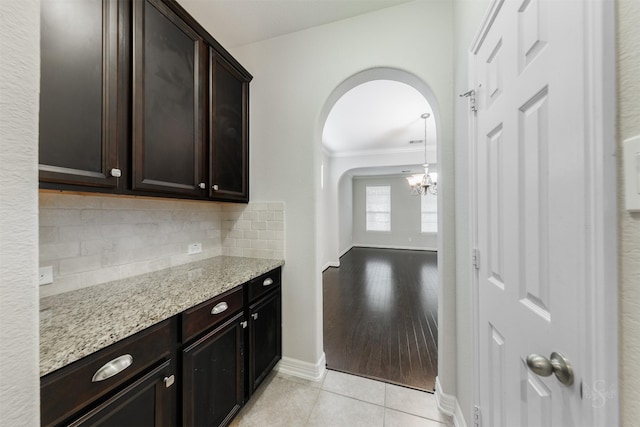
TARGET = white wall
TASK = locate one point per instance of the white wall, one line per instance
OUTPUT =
(345, 214)
(467, 15)
(628, 34)
(19, 87)
(294, 75)
(405, 217)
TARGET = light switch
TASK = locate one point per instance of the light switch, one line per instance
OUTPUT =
(632, 173)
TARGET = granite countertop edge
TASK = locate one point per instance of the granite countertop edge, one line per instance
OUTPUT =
(78, 323)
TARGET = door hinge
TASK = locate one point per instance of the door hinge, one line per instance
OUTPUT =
(477, 416)
(471, 94)
(475, 258)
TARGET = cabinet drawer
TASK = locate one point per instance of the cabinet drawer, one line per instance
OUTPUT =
(210, 313)
(74, 387)
(263, 284)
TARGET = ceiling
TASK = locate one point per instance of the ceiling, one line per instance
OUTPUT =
(379, 115)
(235, 23)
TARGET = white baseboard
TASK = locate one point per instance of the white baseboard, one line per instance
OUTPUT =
(448, 405)
(301, 369)
(345, 251)
(331, 264)
(411, 248)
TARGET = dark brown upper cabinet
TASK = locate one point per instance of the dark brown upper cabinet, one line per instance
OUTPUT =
(82, 92)
(228, 131)
(168, 102)
(137, 98)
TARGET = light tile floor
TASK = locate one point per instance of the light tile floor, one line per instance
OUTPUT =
(338, 400)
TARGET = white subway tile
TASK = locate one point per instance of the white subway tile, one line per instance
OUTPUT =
(276, 245)
(259, 225)
(103, 275)
(235, 251)
(243, 225)
(259, 206)
(59, 217)
(275, 225)
(69, 233)
(56, 251)
(251, 253)
(80, 264)
(48, 235)
(243, 243)
(259, 244)
(266, 216)
(267, 235)
(251, 234)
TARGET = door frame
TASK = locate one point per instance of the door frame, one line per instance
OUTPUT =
(599, 301)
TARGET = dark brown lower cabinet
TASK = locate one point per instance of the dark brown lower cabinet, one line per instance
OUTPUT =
(265, 337)
(213, 375)
(147, 402)
(228, 345)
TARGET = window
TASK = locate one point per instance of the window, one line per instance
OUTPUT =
(429, 213)
(378, 208)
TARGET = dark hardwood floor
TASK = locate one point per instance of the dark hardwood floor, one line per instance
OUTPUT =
(381, 316)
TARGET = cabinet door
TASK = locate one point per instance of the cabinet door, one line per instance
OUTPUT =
(265, 338)
(228, 131)
(213, 371)
(168, 128)
(80, 95)
(150, 401)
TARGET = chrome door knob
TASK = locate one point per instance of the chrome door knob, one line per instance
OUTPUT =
(558, 365)
(539, 365)
(562, 368)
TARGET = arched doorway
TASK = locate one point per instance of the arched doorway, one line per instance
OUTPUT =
(337, 169)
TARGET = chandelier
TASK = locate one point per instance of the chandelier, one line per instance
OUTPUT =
(421, 184)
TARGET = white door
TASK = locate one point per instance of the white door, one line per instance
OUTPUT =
(531, 164)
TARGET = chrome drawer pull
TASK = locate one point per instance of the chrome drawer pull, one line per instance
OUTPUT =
(219, 308)
(267, 282)
(112, 368)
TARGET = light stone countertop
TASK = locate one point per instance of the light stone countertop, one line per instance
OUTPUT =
(78, 323)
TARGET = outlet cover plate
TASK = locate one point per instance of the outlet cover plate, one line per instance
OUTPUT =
(46, 275)
(194, 248)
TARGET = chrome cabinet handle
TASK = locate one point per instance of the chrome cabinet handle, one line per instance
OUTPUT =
(255, 316)
(168, 381)
(244, 324)
(558, 365)
(117, 173)
(202, 185)
(112, 368)
(267, 282)
(215, 187)
(219, 308)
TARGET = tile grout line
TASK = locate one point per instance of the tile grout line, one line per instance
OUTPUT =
(383, 406)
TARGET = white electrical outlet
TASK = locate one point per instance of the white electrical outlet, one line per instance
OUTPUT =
(46, 275)
(194, 248)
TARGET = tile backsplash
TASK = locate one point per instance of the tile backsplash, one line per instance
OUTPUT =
(90, 239)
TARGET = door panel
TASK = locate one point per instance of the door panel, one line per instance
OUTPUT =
(530, 168)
